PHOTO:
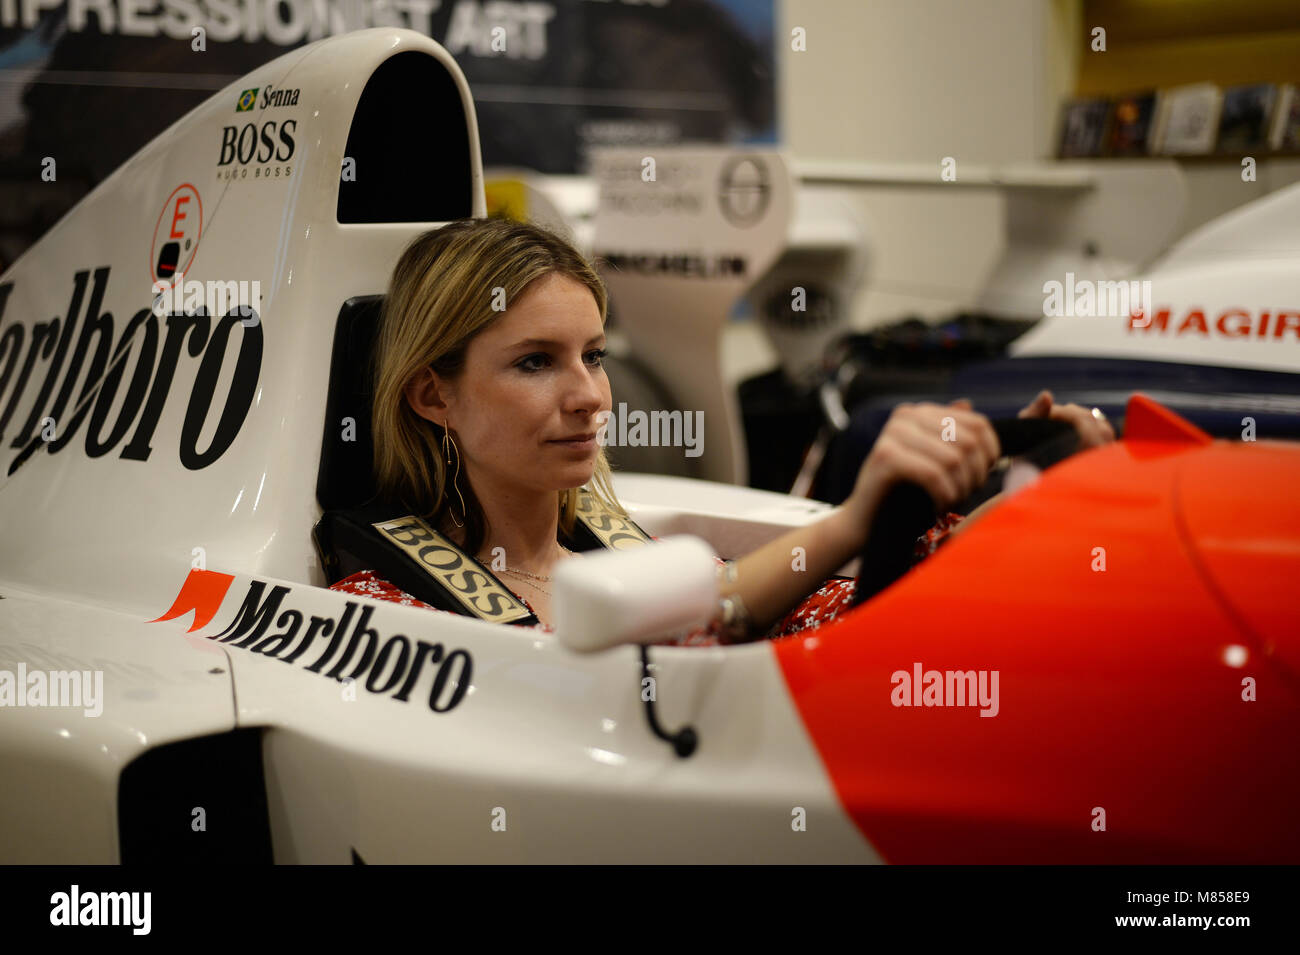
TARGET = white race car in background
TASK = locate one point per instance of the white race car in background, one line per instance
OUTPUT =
(1218, 341)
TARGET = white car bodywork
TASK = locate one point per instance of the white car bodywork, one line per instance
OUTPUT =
(1224, 295)
(545, 757)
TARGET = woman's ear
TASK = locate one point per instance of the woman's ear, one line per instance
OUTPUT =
(428, 395)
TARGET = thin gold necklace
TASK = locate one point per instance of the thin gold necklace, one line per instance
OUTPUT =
(531, 584)
(524, 573)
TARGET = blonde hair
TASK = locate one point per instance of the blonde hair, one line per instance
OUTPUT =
(438, 301)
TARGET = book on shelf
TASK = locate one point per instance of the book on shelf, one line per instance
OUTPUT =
(1132, 125)
(1083, 128)
(1244, 121)
(1285, 134)
(1188, 120)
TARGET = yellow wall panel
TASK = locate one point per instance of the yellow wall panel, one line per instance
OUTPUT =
(1161, 43)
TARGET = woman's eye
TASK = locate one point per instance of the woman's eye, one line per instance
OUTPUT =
(540, 360)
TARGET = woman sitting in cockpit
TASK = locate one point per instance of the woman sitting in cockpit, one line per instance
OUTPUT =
(488, 399)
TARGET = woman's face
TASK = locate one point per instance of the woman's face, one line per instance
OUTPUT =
(532, 383)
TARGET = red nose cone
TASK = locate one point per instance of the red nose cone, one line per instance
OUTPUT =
(1136, 607)
(1145, 420)
(1242, 514)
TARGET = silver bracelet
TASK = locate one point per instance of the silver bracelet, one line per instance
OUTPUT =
(734, 618)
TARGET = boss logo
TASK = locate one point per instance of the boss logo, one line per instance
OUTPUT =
(484, 597)
(257, 142)
(612, 531)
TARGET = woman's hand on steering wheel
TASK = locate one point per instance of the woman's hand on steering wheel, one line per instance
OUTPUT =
(1091, 425)
(946, 449)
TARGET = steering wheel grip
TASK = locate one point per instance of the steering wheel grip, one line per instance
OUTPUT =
(908, 511)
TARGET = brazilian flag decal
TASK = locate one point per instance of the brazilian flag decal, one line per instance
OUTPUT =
(246, 99)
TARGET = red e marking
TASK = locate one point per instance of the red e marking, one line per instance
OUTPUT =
(177, 216)
(172, 251)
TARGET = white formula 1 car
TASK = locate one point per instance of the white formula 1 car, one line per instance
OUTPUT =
(178, 683)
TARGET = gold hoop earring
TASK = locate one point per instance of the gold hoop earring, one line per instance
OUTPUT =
(446, 454)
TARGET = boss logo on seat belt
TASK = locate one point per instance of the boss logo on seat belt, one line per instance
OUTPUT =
(480, 594)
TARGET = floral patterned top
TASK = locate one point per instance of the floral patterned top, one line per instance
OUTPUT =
(832, 598)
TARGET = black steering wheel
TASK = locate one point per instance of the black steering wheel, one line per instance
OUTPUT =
(908, 511)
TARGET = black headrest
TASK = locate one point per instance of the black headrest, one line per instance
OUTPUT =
(345, 478)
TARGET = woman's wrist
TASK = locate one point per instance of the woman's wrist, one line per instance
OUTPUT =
(773, 579)
(732, 620)
(850, 523)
